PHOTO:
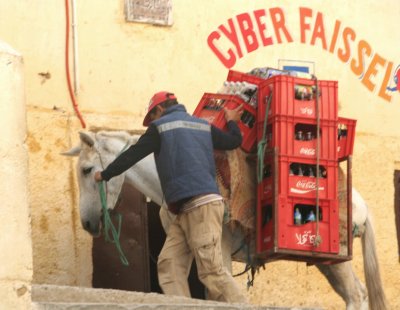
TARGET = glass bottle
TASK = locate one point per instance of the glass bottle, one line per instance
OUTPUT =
(299, 135)
(311, 217)
(297, 217)
(300, 171)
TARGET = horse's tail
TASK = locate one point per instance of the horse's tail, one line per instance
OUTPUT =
(376, 294)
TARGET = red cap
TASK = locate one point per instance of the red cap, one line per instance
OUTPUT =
(158, 98)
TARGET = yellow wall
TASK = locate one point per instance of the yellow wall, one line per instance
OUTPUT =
(120, 65)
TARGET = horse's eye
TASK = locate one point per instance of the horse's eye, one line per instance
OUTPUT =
(86, 171)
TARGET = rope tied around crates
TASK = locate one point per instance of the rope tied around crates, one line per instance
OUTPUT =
(262, 144)
(318, 238)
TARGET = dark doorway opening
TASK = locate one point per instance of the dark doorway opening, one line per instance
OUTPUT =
(141, 239)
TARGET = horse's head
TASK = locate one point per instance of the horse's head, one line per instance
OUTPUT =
(95, 152)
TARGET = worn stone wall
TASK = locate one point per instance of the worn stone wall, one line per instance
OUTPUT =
(62, 250)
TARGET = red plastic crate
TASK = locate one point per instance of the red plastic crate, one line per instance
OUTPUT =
(290, 184)
(211, 107)
(281, 132)
(236, 76)
(276, 228)
(346, 135)
(284, 102)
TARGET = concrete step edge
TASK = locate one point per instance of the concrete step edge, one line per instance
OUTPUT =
(47, 297)
(111, 306)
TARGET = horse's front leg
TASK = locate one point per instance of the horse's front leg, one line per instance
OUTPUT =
(346, 284)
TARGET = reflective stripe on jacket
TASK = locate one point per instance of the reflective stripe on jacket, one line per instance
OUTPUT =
(185, 162)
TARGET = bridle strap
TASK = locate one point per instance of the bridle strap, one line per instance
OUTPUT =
(108, 224)
(102, 163)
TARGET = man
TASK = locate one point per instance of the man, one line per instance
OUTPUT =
(183, 148)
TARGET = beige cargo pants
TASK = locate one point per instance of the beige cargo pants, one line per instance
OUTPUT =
(197, 233)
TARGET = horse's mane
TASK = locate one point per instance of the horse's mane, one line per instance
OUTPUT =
(107, 136)
(132, 132)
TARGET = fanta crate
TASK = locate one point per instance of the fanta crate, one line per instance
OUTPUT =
(278, 229)
(346, 135)
(297, 136)
(211, 108)
(295, 96)
(290, 176)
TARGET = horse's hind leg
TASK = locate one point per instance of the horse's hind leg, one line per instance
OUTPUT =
(346, 284)
(226, 247)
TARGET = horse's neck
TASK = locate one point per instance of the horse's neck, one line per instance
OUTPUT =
(143, 175)
(117, 146)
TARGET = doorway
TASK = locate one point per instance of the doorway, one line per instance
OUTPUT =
(141, 239)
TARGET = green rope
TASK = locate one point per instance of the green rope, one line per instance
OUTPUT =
(108, 224)
(262, 144)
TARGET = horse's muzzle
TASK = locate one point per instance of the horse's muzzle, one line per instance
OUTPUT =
(93, 228)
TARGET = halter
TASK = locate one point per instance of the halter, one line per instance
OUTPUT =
(108, 224)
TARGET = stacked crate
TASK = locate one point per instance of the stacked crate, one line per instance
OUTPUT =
(211, 108)
(346, 135)
(298, 167)
(298, 156)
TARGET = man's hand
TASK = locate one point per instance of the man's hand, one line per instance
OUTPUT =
(97, 176)
(233, 115)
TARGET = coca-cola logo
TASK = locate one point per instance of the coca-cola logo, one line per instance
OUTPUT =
(267, 188)
(267, 239)
(307, 111)
(305, 186)
(307, 151)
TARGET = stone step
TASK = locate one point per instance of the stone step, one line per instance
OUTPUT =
(53, 297)
(87, 306)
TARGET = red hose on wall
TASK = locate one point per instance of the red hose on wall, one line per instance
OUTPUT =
(71, 93)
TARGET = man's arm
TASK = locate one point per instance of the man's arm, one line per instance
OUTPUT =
(148, 143)
(226, 140)
(231, 139)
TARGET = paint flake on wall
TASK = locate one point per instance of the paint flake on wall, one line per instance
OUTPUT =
(157, 12)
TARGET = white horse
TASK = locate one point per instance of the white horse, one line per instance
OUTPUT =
(97, 150)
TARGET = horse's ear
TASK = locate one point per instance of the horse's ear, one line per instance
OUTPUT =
(86, 138)
(72, 152)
